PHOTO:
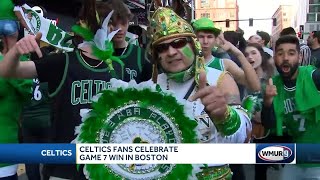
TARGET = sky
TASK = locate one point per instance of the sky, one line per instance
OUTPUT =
(258, 9)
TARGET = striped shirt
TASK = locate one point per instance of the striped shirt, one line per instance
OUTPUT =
(306, 55)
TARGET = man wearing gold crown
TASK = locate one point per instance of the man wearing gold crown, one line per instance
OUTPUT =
(215, 96)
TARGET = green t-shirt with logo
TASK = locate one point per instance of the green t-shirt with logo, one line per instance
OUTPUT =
(292, 120)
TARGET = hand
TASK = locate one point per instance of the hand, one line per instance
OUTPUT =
(29, 44)
(212, 98)
(271, 91)
(223, 43)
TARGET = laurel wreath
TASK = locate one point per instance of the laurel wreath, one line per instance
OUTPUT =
(109, 100)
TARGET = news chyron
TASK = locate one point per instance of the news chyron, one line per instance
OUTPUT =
(275, 153)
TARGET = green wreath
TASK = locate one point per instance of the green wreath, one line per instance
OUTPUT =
(111, 101)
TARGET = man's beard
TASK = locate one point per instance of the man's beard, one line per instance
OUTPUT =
(287, 75)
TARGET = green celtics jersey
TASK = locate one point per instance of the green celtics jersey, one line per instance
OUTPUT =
(301, 107)
(293, 122)
(302, 128)
(216, 63)
(298, 108)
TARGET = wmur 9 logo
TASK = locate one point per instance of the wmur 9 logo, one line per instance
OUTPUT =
(275, 153)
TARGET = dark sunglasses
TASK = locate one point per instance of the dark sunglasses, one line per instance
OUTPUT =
(178, 43)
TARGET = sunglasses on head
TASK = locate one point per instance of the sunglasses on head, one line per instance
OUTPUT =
(178, 43)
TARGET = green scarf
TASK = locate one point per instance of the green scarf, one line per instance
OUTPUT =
(307, 97)
(184, 75)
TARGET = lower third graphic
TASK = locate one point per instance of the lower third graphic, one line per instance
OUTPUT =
(275, 153)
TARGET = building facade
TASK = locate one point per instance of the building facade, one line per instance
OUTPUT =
(283, 15)
(218, 10)
(307, 18)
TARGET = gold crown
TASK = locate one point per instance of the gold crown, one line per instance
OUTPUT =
(166, 24)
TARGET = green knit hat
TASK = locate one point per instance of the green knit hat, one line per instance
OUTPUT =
(205, 24)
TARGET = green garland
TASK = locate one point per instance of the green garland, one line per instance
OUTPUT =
(85, 33)
(113, 99)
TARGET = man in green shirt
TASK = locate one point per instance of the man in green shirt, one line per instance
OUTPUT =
(13, 94)
(292, 100)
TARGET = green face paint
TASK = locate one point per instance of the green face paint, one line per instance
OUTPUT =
(187, 52)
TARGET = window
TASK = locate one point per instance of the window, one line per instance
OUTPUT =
(311, 17)
(230, 4)
(231, 15)
(311, 27)
(204, 3)
(207, 15)
(314, 1)
(314, 8)
(285, 19)
(318, 17)
(284, 14)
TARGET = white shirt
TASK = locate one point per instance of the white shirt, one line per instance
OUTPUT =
(206, 130)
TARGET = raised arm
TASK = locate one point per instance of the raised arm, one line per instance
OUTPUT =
(247, 75)
(232, 95)
(12, 67)
(267, 115)
(222, 103)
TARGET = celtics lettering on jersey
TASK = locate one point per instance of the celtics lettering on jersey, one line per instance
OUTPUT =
(292, 119)
(132, 73)
(83, 91)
